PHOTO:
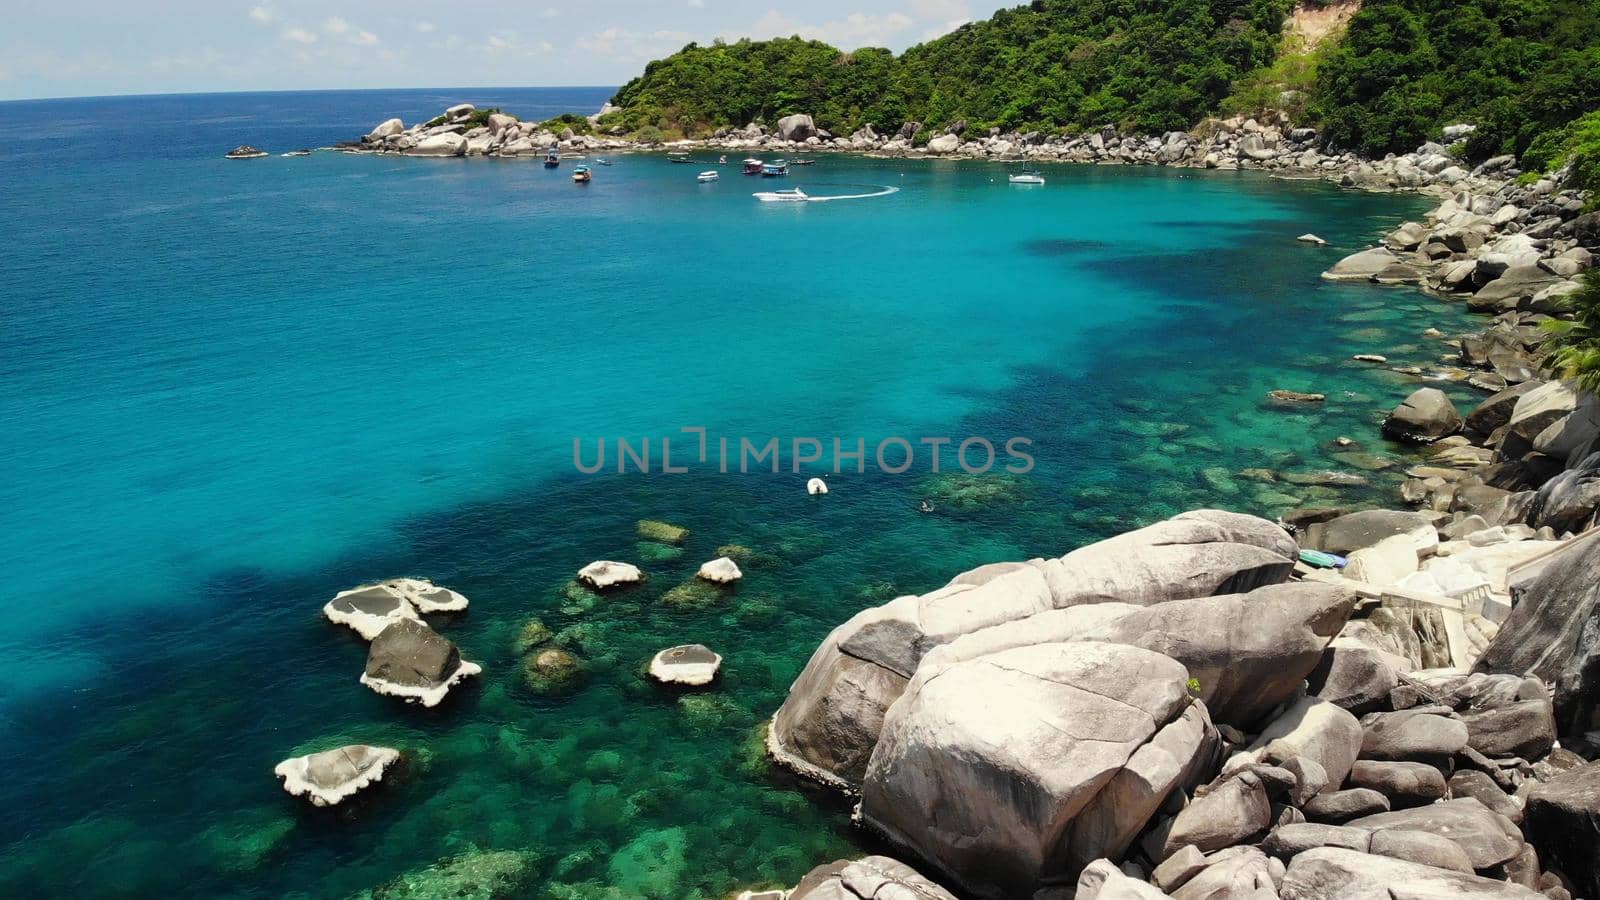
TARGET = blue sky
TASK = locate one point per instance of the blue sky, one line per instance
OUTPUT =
(60, 48)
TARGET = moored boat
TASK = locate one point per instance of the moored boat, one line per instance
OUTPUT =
(582, 175)
(1026, 178)
(707, 176)
(752, 167)
(775, 169)
(805, 162)
(552, 158)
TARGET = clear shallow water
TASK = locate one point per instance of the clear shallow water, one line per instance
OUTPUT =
(231, 389)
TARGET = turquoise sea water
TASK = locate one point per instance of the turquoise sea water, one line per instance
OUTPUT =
(231, 389)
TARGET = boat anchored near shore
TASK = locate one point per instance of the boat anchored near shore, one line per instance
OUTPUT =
(1026, 178)
(707, 176)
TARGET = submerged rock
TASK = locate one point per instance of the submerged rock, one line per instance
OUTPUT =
(408, 659)
(688, 664)
(245, 151)
(475, 875)
(552, 670)
(329, 777)
(1362, 266)
(663, 532)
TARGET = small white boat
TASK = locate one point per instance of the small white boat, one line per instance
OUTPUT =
(706, 176)
(791, 195)
(1026, 178)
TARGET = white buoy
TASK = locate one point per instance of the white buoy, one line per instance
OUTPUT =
(816, 486)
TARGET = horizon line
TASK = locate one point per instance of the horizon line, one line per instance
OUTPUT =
(148, 94)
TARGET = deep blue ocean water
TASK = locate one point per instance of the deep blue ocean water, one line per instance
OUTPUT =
(230, 389)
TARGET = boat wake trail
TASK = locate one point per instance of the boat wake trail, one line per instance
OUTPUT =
(881, 192)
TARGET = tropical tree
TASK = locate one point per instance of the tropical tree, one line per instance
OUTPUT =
(1574, 346)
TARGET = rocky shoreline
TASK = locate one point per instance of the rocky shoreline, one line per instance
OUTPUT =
(1199, 709)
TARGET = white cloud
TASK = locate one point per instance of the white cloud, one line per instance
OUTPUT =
(336, 25)
(364, 39)
(624, 44)
(697, 4)
(426, 27)
(943, 29)
(550, 12)
(300, 35)
(853, 31)
(941, 10)
(261, 15)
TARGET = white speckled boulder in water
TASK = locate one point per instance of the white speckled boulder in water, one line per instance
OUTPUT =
(368, 610)
(604, 574)
(991, 768)
(371, 608)
(690, 664)
(408, 659)
(329, 777)
(721, 570)
(828, 725)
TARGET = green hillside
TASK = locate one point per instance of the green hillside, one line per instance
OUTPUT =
(1138, 64)
(1525, 71)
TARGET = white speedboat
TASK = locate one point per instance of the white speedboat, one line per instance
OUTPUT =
(791, 195)
(707, 176)
(1026, 178)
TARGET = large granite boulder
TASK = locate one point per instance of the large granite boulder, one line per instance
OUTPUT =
(1314, 729)
(944, 143)
(1487, 837)
(1569, 502)
(447, 144)
(1332, 873)
(1550, 634)
(1362, 266)
(868, 878)
(1366, 528)
(1562, 819)
(1536, 411)
(1496, 411)
(1249, 652)
(327, 778)
(409, 659)
(1424, 417)
(985, 767)
(1196, 554)
(387, 128)
(797, 127)
(1103, 881)
(828, 725)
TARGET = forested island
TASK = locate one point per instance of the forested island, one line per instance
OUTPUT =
(1374, 78)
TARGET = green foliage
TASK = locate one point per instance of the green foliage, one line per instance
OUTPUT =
(1516, 68)
(1289, 83)
(1573, 348)
(1132, 63)
(478, 119)
(1577, 144)
(648, 134)
(578, 124)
